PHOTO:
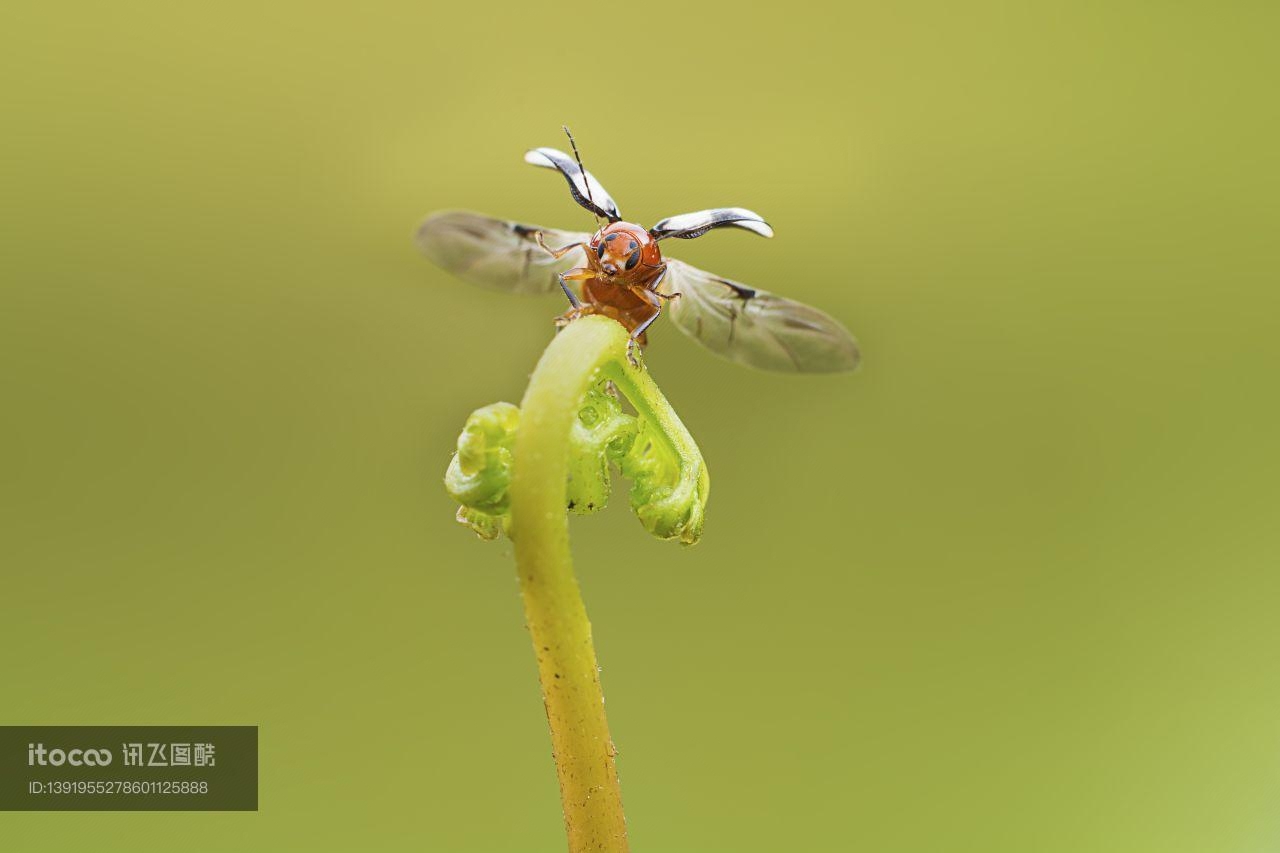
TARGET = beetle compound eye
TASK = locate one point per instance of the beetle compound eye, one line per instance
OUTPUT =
(600, 251)
(634, 259)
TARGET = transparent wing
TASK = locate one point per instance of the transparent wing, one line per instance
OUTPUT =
(497, 254)
(689, 225)
(586, 190)
(754, 327)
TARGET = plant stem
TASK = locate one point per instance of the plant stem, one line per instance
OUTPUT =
(585, 352)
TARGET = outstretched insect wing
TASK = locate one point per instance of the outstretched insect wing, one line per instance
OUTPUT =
(586, 190)
(689, 225)
(754, 327)
(495, 253)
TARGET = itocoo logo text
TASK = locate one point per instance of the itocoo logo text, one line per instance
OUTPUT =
(37, 754)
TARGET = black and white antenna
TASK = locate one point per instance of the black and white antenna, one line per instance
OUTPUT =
(581, 168)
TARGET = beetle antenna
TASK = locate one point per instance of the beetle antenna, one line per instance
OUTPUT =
(581, 168)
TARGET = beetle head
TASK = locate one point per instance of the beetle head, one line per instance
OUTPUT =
(621, 247)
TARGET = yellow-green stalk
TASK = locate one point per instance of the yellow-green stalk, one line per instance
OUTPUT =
(521, 470)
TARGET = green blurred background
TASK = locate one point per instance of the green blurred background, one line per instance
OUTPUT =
(1011, 587)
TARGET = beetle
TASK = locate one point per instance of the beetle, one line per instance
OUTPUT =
(621, 272)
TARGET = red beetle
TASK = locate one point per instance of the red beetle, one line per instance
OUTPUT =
(620, 272)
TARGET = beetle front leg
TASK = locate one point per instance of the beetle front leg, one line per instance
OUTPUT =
(575, 274)
(573, 300)
(652, 297)
(560, 253)
(633, 343)
(657, 282)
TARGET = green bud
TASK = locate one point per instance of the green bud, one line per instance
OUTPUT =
(669, 482)
(480, 472)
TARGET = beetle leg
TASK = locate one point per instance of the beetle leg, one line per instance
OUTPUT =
(657, 282)
(559, 253)
(634, 341)
(575, 274)
(573, 300)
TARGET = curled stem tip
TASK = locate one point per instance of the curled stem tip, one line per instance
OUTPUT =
(651, 448)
